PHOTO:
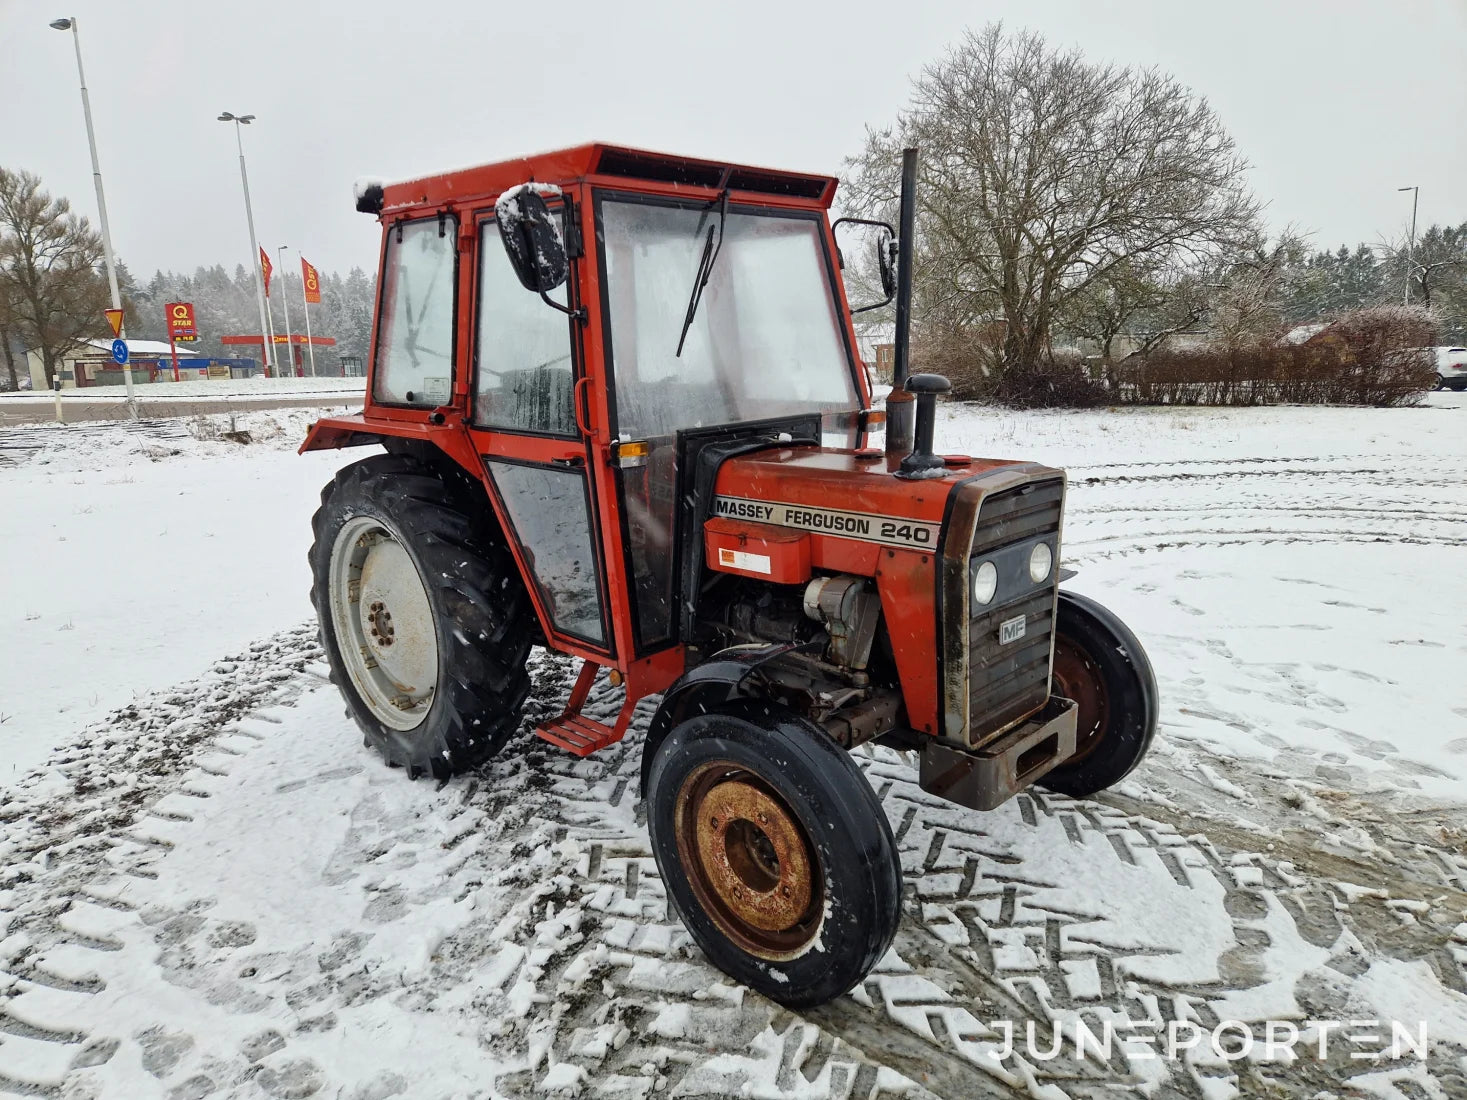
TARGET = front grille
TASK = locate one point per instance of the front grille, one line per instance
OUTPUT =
(1009, 681)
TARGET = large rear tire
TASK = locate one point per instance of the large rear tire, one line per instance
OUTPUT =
(425, 623)
(774, 851)
(1101, 665)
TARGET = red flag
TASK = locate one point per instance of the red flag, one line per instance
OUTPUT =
(266, 269)
(311, 281)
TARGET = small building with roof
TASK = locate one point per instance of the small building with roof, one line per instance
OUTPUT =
(91, 360)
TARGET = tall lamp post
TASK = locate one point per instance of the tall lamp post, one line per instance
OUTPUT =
(244, 176)
(1411, 240)
(285, 301)
(71, 25)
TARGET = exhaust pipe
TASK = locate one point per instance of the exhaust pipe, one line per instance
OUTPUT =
(899, 403)
(911, 407)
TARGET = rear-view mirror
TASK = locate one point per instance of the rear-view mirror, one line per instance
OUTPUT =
(886, 262)
(886, 257)
(532, 238)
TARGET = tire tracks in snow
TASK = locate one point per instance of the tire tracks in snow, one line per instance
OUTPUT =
(1124, 509)
(73, 837)
(576, 975)
(578, 972)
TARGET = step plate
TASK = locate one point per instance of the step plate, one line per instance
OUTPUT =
(578, 734)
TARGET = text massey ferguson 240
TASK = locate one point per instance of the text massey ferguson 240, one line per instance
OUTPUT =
(625, 419)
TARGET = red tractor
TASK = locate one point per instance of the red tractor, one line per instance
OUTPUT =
(625, 419)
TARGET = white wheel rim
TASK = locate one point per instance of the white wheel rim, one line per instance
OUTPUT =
(384, 623)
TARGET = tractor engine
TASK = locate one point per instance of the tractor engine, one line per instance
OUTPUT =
(831, 627)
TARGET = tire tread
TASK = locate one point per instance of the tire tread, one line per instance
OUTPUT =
(472, 578)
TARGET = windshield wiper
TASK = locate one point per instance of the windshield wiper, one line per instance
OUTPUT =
(705, 269)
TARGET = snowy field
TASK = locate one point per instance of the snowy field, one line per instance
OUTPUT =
(209, 888)
(130, 561)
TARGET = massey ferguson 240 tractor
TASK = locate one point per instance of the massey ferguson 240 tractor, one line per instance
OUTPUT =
(625, 419)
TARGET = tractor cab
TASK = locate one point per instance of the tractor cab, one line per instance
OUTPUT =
(688, 298)
(625, 418)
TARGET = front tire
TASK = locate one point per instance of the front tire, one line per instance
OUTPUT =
(425, 623)
(1101, 665)
(774, 851)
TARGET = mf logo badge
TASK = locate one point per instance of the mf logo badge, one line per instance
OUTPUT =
(1011, 630)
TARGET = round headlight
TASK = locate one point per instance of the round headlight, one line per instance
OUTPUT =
(985, 582)
(1040, 560)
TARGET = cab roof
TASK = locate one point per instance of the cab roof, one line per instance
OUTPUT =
(608, 163)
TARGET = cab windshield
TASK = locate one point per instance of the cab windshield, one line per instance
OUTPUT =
(765, 341)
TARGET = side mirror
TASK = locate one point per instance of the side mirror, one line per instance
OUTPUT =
(886, 262)
(886, 257)
(532, 239)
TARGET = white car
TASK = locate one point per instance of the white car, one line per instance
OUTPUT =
(1451, 368)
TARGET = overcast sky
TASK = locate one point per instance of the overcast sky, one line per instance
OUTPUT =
(1336, 103)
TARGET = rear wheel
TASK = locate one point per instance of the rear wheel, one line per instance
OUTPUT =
(1441, 383)
(1100, 664)
(775, 852)
(425, 623)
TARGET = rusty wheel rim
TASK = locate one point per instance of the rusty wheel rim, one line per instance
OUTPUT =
(749, 861)
(1076, 676)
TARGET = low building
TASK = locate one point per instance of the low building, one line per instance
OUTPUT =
(876, 345)
(91, 364)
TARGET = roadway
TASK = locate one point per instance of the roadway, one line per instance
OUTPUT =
(77, 406)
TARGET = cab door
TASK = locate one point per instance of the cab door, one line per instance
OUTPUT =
(527, 363)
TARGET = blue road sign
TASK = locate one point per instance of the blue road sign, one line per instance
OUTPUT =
(119, 352)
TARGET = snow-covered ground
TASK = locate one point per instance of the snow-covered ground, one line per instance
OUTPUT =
(216, 891)
(130, 561)
(1299, 574)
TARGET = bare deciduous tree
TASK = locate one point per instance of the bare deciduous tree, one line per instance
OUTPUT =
(7, 336)
(1042, 172)
(49, 260)
(1145, 304)
(1247, 292)
(1105, 308)
(1438, 262)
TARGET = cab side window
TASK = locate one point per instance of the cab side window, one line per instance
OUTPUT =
(414, 364)
(524, 378)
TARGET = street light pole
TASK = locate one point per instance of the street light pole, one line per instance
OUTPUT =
(244, 176)
(1411, 239)
(285, 302)
(71, 25)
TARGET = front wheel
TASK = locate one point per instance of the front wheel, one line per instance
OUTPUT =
(1101, 665)
(775, 852)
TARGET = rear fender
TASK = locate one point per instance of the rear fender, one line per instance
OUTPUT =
(332, 433)
(426, 439)
(722, 678)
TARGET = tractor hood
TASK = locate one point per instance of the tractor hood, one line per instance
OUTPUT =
(786, 514)
(848, 494)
